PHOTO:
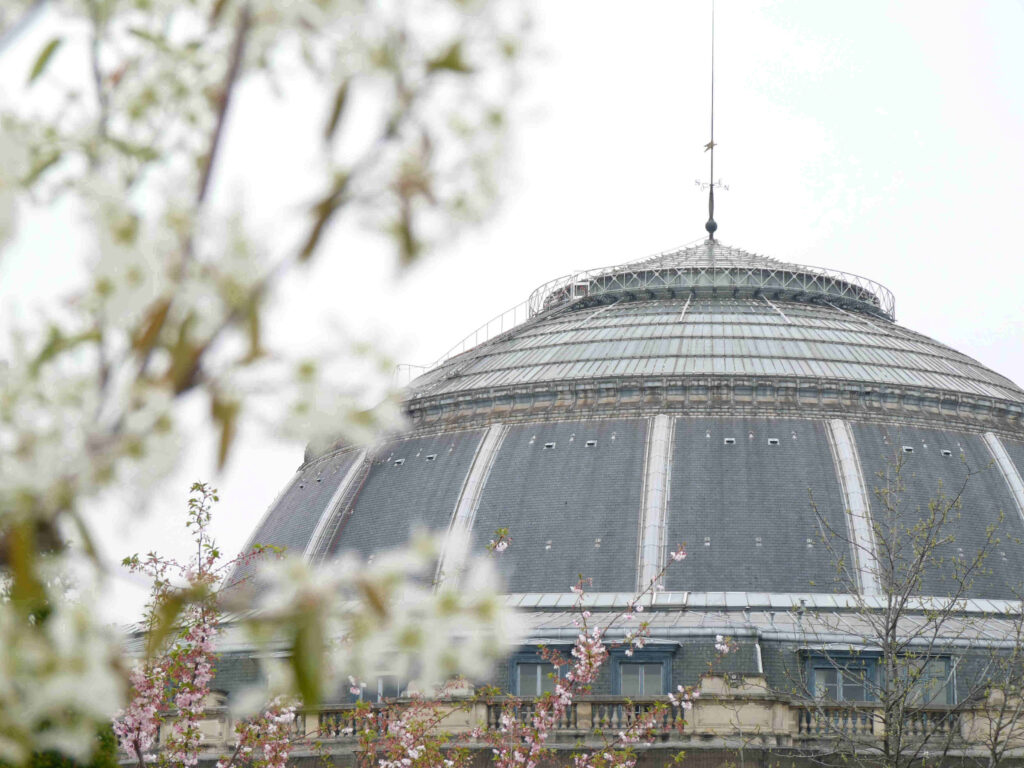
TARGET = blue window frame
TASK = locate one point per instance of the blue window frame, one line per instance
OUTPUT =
(842, 676)
(530, 675)
(931, 679)
(856, 677)
(377, 689)
(648, 672)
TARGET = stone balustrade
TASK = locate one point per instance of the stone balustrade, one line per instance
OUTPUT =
(730, 712)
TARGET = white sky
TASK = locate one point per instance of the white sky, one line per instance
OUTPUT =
(877, 138)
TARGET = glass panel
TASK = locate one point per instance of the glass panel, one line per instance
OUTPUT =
(652, 680)
(826, 684)
(928, 679)
(387, 687)
(632, 678)
(547, 680)
(535, 679)
(854, 685)
(528, 680)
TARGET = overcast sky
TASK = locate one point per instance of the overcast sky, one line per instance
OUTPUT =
(877, 138)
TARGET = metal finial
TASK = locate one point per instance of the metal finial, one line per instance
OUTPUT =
(711, 225)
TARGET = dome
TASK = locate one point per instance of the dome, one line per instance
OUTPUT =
(744, 406)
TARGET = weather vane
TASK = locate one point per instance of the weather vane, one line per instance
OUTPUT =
(711, 185)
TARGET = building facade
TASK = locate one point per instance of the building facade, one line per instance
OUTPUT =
(814, 457)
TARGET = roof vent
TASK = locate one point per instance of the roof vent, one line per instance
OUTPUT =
(431, 456)
(810, 544)
(730, 441)
(597, 543)
(757, 541)
(707, 541)
(908, 449)
(399, 462)
(773, 441)
(946, 453)
(547, 544)
(591, 443)
(548, 446)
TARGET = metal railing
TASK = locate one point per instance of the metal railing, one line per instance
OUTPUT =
(497, 325)
(787, 279)
(650, 276)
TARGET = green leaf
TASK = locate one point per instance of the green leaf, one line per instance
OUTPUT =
(166, 615)
(43, 59)
(323, 211)
(307, 655)
(148, 332)
(57, 343)
(41, 167)
(225, 414)
(451, 60)
(337, 110)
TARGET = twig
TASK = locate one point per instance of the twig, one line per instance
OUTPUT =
(237, 52)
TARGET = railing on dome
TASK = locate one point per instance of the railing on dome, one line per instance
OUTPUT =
(790, 278)
(497, 325)
(841, 287)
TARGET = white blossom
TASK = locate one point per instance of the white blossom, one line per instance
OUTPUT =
(13, 166)
(56, 680)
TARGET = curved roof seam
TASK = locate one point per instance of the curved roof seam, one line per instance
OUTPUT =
(830, 343)
(881, 365)
(829, 383)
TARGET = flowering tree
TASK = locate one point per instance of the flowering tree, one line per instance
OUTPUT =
(925, 668)
(120, 124)
(409, 736)
(179, 663)
(364, 614)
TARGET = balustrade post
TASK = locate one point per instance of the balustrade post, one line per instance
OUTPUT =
(584, 715)
(879, 722)
(478, 715)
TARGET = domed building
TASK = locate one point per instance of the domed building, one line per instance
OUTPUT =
(814, 457)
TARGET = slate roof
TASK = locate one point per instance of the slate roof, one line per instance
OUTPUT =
(758, 496)
(716, 336)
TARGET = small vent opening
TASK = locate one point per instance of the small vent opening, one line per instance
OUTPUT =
(431, 456)
(908, 449)
(773, 441)
(946, 453)
(548, 446)
(591, 443)
(730, 441)
(399, 462)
